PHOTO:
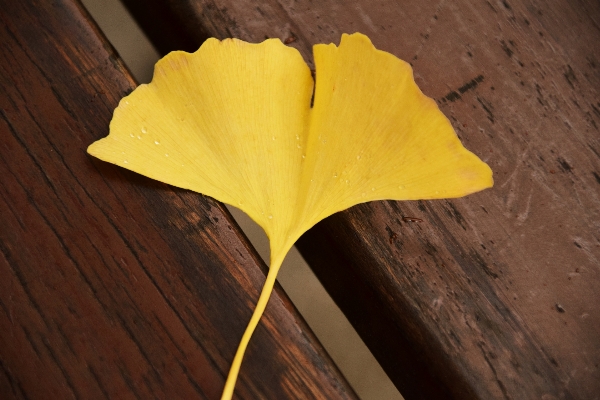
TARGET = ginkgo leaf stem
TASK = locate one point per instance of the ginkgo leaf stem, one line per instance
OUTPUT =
(265, 294)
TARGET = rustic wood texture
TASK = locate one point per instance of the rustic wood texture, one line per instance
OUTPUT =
(496, 295)
(113, 285)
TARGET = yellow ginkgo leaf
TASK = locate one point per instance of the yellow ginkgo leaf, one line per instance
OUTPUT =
(234, 121)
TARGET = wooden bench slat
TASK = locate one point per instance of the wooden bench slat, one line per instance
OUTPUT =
(113, 285)
(495, 295)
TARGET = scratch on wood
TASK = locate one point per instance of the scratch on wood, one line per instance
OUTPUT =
(429, 28)
(392, 235)
(365, 18)
(564, 165)
(570, 76)
(596, 110)
(521, 217)
(487, 109)
(493, 369)
(472, 84)
(452, 96)
(506, 49)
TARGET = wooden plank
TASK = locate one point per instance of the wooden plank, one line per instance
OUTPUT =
(113, 285)
(495, 295)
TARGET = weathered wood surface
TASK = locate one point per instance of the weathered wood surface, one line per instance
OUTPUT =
(113, 285)
(496, 295)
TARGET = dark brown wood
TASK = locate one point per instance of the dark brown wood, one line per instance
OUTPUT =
(113, 285)
(495, 295)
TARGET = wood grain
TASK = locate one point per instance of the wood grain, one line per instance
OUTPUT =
(113, 285)
(495, 295)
